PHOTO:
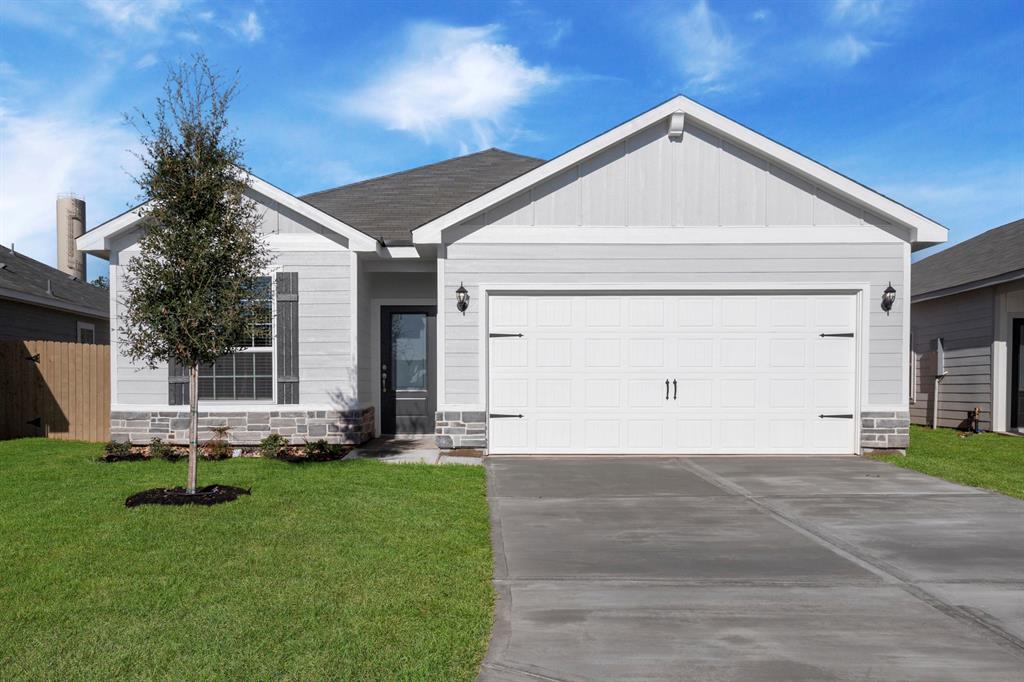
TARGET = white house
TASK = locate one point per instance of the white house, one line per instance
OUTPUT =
(678, 284)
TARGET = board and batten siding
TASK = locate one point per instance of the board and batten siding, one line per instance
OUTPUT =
(700, 264)
(327, 375)
(701, 180)
(965, 323)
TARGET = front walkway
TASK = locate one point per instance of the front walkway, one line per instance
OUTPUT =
(408, 450)
(761, 569)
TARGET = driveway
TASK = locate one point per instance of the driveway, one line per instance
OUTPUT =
(830, 568)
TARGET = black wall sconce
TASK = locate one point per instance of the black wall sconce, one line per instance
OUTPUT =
(888, 298)
(461, 299)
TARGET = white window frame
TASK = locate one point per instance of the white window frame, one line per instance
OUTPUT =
(272, 349)
(85, 326)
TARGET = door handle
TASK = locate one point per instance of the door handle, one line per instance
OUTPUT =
(666, 389)
(675, 390)
(383, 378)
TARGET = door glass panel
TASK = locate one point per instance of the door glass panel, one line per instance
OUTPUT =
(409, 339)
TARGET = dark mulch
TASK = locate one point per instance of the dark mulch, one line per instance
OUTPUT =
(207, 495)
(122, 457)
(286, 456)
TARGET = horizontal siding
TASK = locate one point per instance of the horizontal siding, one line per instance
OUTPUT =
(701, 180)
(498, 264)
(965, 322)
(23, 322)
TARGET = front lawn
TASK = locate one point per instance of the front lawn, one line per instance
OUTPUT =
(341, 570)
(985, 460)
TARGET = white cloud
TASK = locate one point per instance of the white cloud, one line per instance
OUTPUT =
(145, 61)
(41, 155)
(848, 50)
(760, 15)
(451, 77)
(134, 14)
(250, 28)
(702, 46)
(858, 11)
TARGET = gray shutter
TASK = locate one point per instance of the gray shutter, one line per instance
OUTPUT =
(177, 384)
(288, 338)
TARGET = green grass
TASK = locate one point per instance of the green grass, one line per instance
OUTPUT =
(337, 570)
(985, 460)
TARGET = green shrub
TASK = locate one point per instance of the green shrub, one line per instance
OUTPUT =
(273, 445)
(117, 448)
(158, 448)
(321, 450)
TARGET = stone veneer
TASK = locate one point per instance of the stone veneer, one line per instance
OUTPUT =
(246, 428)
(884, 430)
(460, 429)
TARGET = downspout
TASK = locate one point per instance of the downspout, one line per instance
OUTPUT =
(935, 399)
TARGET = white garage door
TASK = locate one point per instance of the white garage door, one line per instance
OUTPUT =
(715, 374)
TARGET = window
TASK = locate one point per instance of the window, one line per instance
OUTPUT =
(249, 373)
(86, 332)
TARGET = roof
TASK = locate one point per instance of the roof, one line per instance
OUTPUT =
(992, 256)
(391, 206)
(28, 280)
(922, 230)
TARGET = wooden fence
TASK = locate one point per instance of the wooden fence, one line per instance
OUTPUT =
(54, 389)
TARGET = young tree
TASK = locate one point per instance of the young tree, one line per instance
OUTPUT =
(101, 282)
(186, 294)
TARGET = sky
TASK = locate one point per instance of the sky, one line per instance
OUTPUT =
(921, 100)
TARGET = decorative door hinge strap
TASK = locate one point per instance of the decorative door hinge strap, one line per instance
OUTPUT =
(845, 335)
(495, 335)
(505, 416)
(835, 416)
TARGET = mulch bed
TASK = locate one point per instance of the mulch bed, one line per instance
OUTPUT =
(207, 495)
(122, 457)
(295, 458)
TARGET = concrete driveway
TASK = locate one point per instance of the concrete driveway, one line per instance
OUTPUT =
(752, 569)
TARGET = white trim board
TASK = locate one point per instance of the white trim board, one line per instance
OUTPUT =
(922, 230)
(97, 240)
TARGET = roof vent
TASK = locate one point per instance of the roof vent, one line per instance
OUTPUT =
(675, 126)
(49, 288)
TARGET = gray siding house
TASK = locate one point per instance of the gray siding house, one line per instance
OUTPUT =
(677, 284)
(41, 303)
(967, 316)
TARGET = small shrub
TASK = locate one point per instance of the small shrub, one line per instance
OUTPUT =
(158, 448)
(321, 451)
(218, 446)
(119, 451)
(273, 445)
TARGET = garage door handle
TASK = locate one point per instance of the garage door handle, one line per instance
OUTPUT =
(666, 389)
(675, 389)
(835, 416)
(505, 416)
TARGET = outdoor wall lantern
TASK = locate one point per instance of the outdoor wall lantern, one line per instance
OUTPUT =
(888, 298)
(461, 298)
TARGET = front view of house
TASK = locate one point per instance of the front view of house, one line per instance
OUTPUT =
(678, 284)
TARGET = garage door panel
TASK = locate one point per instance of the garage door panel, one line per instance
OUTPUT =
(752, 374)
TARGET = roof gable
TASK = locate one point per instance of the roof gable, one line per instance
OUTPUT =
(391, 206)
(26, 279)
(997, 254)
(683, 164)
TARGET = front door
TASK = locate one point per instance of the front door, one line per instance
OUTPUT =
(1017, 378)
(407, 373)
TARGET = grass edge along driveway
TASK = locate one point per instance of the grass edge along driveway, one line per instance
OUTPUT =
(341, 570)
(984, 460)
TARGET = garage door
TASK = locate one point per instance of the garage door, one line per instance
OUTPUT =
(672, 374)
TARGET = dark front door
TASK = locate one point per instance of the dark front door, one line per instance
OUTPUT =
(1017, 376)
(408, 376)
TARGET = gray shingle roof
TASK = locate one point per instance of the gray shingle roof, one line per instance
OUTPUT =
(991, 254)
(24, 275)
(391, 206)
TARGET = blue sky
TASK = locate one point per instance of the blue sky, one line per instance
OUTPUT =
(923, 101)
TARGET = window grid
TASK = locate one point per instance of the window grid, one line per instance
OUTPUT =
(249, 373)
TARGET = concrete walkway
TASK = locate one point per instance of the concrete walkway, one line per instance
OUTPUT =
(408, 450)
(752, 569)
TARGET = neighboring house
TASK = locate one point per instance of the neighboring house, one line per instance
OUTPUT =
(967, 330)
(38, 302)
(678, 284)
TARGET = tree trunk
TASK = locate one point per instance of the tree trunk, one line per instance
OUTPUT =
(193, 426)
